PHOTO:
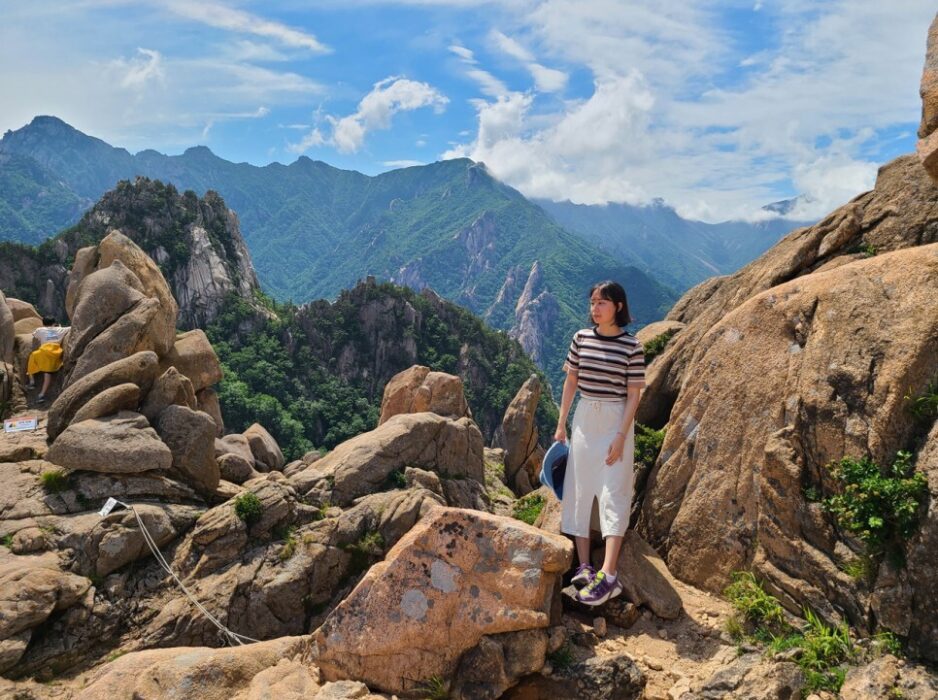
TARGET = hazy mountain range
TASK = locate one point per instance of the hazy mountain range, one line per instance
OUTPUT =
(314, 230)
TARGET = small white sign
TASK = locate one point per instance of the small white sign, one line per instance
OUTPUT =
(108, 507)
(18, 425)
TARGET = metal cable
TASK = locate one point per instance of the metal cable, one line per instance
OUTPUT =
(151, 543)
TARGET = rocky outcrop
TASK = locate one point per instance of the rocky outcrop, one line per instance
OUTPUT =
(537, 313)
(31, 589)
(455, 578)
(363, 464)
(819, 376)
(250, 672)
(927, 146)
(899, 213)
(264, 448)
(196, 244)
(518, 436)
(417, 389)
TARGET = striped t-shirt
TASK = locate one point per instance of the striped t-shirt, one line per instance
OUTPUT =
(606, 365)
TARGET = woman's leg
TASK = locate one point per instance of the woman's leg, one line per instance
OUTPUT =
(613, 545)
(46, 383)
(583, 549)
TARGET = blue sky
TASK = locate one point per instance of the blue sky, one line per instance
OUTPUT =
(716, 107)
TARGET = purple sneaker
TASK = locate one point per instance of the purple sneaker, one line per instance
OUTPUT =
(599, 590)
(584, 574)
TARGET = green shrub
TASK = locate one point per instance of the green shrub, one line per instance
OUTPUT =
(656, 345)
(288, 535)
(527, 508)
(881, 509)
(648, 443)
(434, 688)
(887, 643)
(562, 659)
(862, 568)
(397, 480)
(54, 481)
(6, 540)
(759, 618)
(363, 552)
(249, 508)
(756, 609)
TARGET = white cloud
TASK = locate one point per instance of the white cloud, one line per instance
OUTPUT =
(401, 163)
(488, 83)
(223, 17)
(375, 111)
(679, 112)
(135, 73)
(545, 79)
(313, 139)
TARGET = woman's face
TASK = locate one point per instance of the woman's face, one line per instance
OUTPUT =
(602, 310)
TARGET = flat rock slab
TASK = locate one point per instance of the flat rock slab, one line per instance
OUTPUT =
(120, 444)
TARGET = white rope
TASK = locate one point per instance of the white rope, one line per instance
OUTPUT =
(230, 636)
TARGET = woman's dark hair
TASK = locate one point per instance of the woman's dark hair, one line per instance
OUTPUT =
(48, 321)
(614, 292)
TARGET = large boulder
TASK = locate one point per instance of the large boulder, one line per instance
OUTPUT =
(249, 672)
(363, 464)
(171, 388)
(818, 367)
(191, 437)
(265, 449)
(22, 310)
(871, 219)
(615, 677)
(645, 577)
(117, 247)
(140, 369)
(192, 354)
(123, 397)
(457, 576)
(7, 331)
(100, 300)
(207, 401)
(417, 389)
(120, 444)
(131, 333)
(517, 435)
(31, 589)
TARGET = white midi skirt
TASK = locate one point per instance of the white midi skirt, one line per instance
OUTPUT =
(589, 479)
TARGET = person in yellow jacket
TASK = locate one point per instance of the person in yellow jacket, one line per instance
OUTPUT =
(48, 358)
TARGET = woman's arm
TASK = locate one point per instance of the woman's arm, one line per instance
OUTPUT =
(614, 454)
(566, 400)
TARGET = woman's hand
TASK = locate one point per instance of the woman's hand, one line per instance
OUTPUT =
(614, 453)
(560, 435)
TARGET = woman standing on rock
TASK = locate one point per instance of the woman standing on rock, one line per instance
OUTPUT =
(607, 365)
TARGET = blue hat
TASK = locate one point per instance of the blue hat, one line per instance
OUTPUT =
(554, 467)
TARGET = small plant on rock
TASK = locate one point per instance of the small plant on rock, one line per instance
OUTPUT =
(648, 443)
(656, 345)
(562, 659)
(434, 688)
(880, 507)
(756, 610)
(7, 540)
(249, 508)
(54, 481)
(924, 406)
(527, 508)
